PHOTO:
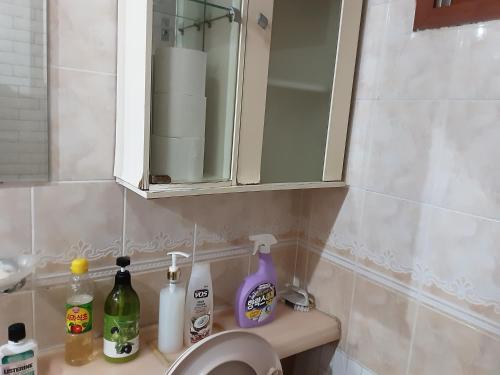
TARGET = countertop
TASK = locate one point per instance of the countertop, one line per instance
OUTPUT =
(290, 333)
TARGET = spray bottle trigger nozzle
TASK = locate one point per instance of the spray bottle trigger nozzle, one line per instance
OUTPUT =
(263, 242)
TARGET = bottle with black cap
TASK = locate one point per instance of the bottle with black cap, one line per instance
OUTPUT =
(121, 318)
(18, 356)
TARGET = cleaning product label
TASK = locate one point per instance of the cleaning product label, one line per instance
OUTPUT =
(19, 364)
(121, 335)
(260, 302)
(79, 318)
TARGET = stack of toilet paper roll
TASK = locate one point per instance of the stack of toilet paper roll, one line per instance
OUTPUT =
(179, 106)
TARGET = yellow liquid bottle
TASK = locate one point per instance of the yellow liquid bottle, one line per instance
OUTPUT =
(79, 305)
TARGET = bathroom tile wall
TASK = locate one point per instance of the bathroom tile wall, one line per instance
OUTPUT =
(83, 212)
(408, 256)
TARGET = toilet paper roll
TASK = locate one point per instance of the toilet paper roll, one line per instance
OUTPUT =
(180, 70)
(179, 158)
(179, 115)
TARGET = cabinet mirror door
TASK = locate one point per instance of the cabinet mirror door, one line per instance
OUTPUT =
(299, 89)
(195, 45)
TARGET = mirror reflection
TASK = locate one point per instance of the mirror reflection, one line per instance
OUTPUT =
(23, 92)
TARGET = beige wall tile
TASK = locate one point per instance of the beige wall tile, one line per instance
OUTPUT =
(224, 221)
(227, 276)
(335, 219)
(82, 219)
(469, 179)
(82, 34)
(476, 69)
(393, 232)
(462, 251)
(82, 125)
(228, 219)
(15, 221)
(154, 227)
(445, 346)
(16, 308)
(380, 328)
(50, 316)
(403, 144)
(404, 54)
(332, 287)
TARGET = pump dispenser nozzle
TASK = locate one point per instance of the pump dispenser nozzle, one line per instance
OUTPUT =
(263, 242)
(123, 276)
(173, 274)
(123, 262)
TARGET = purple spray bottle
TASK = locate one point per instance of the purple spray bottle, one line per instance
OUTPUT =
(256, 298)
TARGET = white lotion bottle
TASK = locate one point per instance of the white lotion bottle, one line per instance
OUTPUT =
(199, 305)
(171, 316)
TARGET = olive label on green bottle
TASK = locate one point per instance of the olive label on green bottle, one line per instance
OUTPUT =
(121, 336)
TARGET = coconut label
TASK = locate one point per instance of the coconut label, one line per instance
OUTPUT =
(200, 323)
(260, 302)
(199, 328)
(79, 318)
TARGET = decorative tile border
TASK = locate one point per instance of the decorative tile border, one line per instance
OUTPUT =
(161, 241)
(221, 253)
(459, 288)
(80, 249)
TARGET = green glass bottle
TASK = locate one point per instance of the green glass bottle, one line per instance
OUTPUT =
(121, 318)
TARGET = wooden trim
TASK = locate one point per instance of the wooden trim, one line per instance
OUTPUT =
(459, 13)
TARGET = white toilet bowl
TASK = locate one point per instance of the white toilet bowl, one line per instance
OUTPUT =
(228, 353)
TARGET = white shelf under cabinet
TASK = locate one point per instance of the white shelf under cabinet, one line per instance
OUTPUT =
(165, 191)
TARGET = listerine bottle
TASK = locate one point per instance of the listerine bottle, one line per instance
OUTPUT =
(19, 355)
(121, 318)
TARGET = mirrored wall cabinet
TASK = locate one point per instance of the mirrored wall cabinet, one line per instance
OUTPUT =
(233, 95)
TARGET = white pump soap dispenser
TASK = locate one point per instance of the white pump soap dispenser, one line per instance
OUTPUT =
(171, 316)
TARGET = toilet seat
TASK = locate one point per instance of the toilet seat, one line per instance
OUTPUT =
(228, 353)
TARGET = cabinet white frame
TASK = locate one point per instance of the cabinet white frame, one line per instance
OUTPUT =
(133, 107)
